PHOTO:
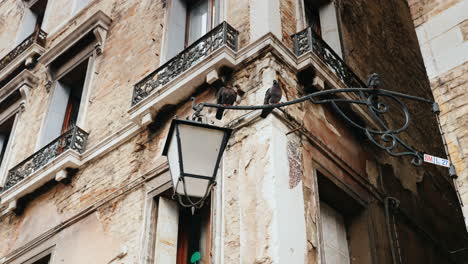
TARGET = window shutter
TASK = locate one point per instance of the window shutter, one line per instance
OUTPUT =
(3, 143)
(166, 231)
(329, 27)
(176, 29)
(55, 116)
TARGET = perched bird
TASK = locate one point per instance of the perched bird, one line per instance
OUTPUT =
(373, 81)
(226, 96)
(272, 96)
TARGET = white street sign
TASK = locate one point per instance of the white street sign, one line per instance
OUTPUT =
(436, 160)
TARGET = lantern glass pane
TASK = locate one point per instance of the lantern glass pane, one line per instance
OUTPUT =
(173, 159)
(195, 187)
(200, 149)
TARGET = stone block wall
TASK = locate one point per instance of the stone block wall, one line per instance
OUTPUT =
(268, 190)
(442, 34)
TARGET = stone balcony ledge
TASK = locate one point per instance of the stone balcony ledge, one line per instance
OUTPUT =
(25, 53)
(193, 66)
(50, 162)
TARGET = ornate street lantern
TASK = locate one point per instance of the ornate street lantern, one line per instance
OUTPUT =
(194, 151)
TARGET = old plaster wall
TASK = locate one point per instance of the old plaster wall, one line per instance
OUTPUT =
(97, 237)
(9, 24)
(442, 30)
(269, 176)
(130, 42)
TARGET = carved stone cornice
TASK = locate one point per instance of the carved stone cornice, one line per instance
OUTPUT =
(98, 25)
(22, 82)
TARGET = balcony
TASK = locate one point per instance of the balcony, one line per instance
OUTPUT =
(308, 41)
(31, 47)
(196, 64)
(47, 163)
(222, 35)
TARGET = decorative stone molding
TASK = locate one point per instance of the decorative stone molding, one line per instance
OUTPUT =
(23, 82)
(98, 25)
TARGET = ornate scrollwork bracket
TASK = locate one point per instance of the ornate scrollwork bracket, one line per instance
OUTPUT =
(377, 103)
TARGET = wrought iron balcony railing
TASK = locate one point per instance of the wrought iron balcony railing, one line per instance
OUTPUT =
(74, 139)
(38, 36)
(221, 35)
(309, 41)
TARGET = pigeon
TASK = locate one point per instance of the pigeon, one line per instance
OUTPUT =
(272, 96)
(373, 81)
(226, 96)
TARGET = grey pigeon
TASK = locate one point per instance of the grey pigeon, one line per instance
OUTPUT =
(272, 96)
(226, 96)
(373, 81)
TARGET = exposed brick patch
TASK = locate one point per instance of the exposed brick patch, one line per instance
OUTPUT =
(295, 161)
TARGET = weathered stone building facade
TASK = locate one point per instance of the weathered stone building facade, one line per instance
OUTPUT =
(88, 90)
(442, 30)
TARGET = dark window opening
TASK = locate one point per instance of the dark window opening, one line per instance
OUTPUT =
(344, 222)
(5, 133)
(312, 14)
(74, 82)
(38, 9)
(194, 235)
(199, 15)
(39, 260)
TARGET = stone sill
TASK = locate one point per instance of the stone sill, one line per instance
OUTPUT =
(182, 86)
(34, 50)
(53, 170)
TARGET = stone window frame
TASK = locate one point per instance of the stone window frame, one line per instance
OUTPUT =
(222, 11)
(352, 221)
(13, 111)
(84, 103)
(23, 82)
(154, 188)
(73, 14)
(28, 4)
(32, 255)
(301, 23)
(97, 25)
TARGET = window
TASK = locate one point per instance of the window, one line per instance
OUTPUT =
(320, 15)
(188, 20)
(198, 19)
(73, 83)
(193, 234)
(41, 260)
(344, 223)
(312, 17)
(7, 128)
(335, 243)
(171, 233)
(66, 104)
(32, 20)
(5, 132)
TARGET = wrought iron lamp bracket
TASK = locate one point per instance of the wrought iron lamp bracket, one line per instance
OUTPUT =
(384, 137)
